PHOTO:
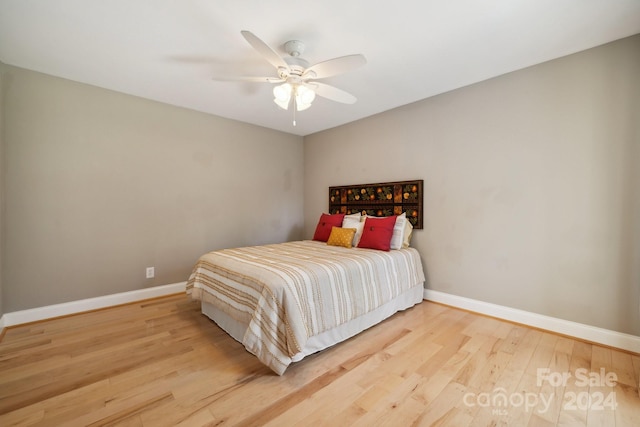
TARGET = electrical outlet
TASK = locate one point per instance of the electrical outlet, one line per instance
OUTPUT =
(151, 272)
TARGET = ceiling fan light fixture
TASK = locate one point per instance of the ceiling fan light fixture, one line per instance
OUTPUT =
(304, 97)
(282, 95)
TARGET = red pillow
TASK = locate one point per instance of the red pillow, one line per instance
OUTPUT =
(377, 233)
(323, 229)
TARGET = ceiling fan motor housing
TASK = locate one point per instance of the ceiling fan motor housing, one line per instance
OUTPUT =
(297, 65)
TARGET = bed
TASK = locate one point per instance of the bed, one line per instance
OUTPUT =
(288, 300)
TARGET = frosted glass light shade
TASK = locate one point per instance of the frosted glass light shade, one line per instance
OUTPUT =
(304, 97)
(282, 95)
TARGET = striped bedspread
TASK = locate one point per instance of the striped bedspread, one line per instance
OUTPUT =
(289, 292)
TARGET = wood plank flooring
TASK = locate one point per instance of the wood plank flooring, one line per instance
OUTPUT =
(162, 363)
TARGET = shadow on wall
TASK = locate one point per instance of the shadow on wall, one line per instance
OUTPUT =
(296, 233)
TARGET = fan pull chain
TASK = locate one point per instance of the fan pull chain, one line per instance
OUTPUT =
(295, 107)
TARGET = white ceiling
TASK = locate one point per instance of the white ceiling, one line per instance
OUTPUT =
(169, 50)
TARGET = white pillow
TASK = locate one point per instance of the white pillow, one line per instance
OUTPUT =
(398, 231)
(357, 216)
(352, 221)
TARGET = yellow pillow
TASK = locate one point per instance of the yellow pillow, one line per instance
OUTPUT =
(341, 236)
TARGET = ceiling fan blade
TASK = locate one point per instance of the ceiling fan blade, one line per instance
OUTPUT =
(335, 66)
(249, 79)
(332, 93)
(264, 50)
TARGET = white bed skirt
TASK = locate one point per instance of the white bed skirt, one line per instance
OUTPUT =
(332, 336)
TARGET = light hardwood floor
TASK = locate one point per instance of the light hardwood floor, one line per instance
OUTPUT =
(162, 363)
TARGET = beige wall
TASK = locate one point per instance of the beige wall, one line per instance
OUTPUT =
(532, 196)
(2, 169)
(100, 185)
(532, 192)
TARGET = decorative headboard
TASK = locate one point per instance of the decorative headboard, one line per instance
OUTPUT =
(384, 199)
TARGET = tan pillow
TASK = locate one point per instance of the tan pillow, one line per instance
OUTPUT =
(341, 237)
(408, 231)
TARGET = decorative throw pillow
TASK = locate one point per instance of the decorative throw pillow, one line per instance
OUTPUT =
(341, 237)
(323, 229)
(408, 231)
(397, 238)
(354, 222)
(377, 233)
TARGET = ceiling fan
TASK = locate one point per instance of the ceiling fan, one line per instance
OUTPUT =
(298, 78)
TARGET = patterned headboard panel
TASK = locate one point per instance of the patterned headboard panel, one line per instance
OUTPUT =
(384, 199)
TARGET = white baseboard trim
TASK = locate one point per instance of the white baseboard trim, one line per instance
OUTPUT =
(73, 307)
(560, 326)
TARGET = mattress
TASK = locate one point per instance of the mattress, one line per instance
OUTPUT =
(288, 300)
